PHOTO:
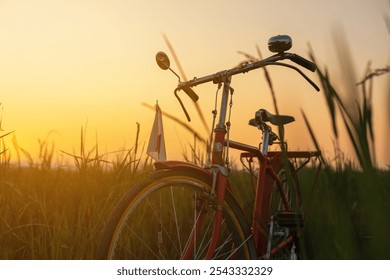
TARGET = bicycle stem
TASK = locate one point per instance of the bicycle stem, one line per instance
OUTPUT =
(224, 103)
(220, 129)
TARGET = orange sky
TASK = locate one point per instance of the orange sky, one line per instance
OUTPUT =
(67, 63)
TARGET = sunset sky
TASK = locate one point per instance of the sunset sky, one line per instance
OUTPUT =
(65, 63)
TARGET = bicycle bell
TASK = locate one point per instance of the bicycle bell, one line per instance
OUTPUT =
(279, 43)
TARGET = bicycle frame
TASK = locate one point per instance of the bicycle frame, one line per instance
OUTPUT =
(270, 162)
(266, 178)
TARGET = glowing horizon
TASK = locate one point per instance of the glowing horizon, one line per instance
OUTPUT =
(67, 63)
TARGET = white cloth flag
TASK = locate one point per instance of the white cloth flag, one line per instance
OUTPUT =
(156, 147)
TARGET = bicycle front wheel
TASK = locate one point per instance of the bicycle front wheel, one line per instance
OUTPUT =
(170, 215)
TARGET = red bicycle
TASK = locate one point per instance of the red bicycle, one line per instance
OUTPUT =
(184, 211)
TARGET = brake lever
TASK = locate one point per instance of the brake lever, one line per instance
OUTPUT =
(182, 106)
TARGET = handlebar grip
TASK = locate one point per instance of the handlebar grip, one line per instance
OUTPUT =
(191, 93)
(304, 62)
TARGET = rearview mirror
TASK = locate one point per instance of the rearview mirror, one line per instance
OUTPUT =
(162, 60)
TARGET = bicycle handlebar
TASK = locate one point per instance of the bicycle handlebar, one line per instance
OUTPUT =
(304, 62)
(222, 75)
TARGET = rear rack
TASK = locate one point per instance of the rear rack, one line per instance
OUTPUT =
(250, 152)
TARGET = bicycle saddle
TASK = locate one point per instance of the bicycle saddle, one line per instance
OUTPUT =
(263, 116)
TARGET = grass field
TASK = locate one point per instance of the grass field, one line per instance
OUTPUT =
(58, 214)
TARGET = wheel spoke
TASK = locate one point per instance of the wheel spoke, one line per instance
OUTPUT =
(176, 221)
(142, 241)
(193, 232)
(205, 235)
(239, 247)
(159, 219)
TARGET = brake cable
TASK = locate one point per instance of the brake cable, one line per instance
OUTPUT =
(214, 112)
(228, 126)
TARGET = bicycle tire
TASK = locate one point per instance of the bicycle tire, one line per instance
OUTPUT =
(283, 237)
(155, 219)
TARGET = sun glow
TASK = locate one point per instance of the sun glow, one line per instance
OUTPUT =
(71, 64)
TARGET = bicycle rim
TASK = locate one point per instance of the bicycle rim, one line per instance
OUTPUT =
(171, 215)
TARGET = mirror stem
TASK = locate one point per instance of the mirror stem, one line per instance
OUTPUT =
(175, 74)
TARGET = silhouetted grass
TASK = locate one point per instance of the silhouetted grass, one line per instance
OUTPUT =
(55, 212)
(352, 216)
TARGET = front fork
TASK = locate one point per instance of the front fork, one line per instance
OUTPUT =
(220, 178)
(217, 197)
(221, 183)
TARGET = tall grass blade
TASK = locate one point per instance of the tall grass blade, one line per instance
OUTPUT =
(250, 59)
(4, 135)
(181, 70)
(329, 93)
(269, 82)
(313, 138)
